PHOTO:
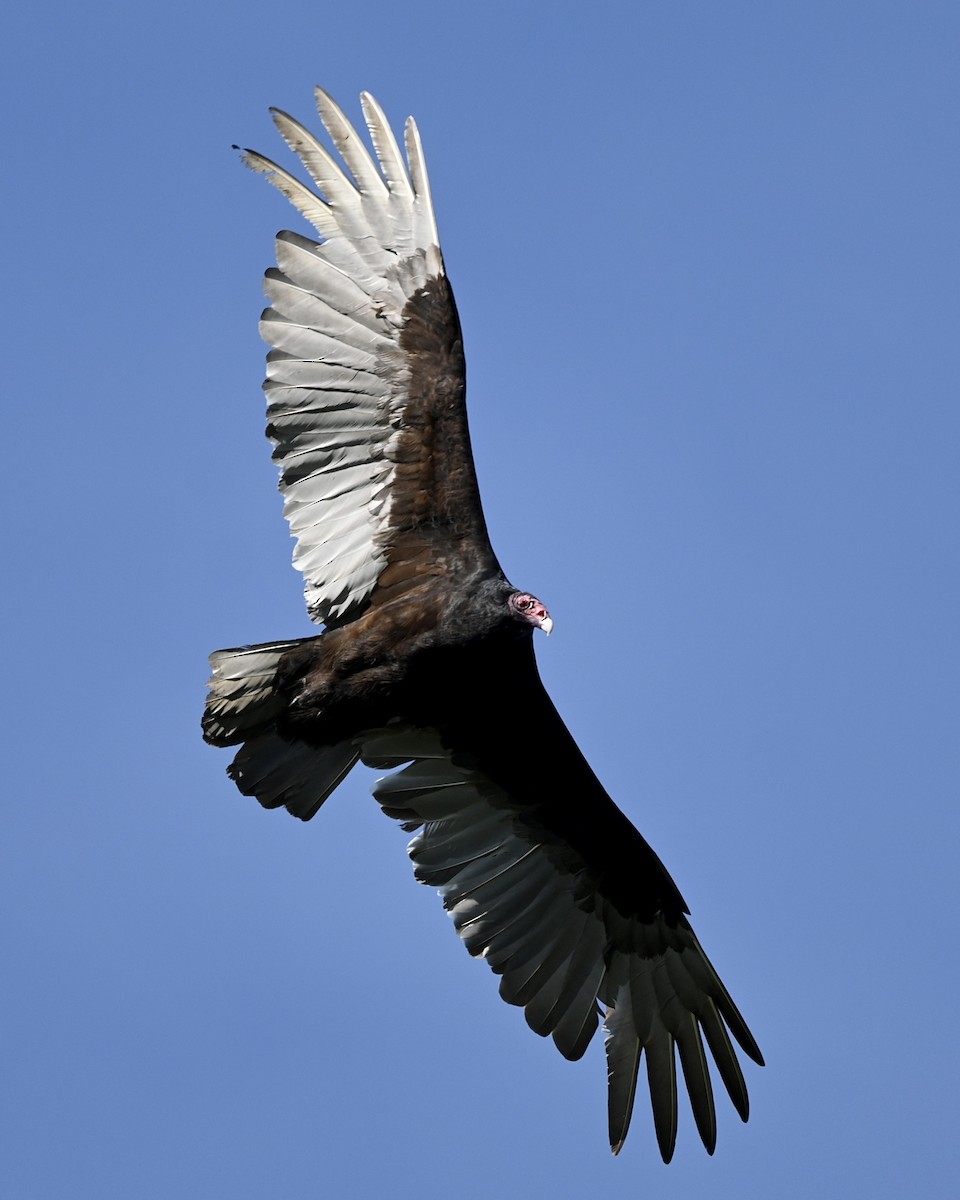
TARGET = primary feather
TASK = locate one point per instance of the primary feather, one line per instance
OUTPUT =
(542, 874)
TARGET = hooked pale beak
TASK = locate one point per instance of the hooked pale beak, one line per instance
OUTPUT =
(547, 625)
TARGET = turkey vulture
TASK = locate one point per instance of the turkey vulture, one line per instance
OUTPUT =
(424, 638)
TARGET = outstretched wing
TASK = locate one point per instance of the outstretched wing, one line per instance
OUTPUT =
(365, 381)
(547, 880)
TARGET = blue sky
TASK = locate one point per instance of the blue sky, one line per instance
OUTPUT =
(706, 258)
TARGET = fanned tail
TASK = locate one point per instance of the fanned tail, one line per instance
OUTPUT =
(242, 707)
(242, 700)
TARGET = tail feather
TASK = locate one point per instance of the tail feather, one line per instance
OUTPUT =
(242, 698)
(292, 774)
(242, 707)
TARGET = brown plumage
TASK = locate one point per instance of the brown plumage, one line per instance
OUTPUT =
(424, 638)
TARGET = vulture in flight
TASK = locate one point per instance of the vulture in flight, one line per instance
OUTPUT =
(425, 639)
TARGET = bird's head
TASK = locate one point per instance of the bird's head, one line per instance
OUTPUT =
(531, 610)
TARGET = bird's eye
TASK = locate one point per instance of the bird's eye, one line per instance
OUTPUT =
(525, 605)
